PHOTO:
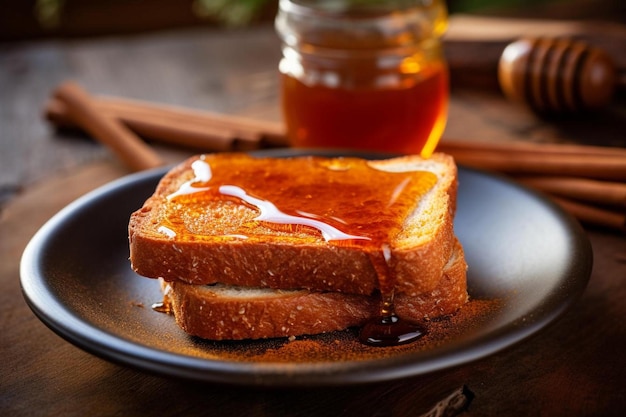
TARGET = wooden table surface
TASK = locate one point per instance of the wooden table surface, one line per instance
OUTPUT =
(575, 367)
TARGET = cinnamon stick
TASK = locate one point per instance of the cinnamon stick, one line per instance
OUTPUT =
(183, 127)
(591, 191)
(80, 108)
(249, 129)
(452, 146)
(593, 215)
(609, 167)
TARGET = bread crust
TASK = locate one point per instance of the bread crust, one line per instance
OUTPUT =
(417, 257)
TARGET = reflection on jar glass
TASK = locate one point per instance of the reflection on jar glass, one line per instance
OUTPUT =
(364, 74)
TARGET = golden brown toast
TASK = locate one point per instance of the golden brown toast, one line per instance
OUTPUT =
(181, 238)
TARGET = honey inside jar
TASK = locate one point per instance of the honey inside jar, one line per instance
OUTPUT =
(366, 78)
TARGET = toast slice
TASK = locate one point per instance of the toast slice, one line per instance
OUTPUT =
(212, 249)
(222, 312)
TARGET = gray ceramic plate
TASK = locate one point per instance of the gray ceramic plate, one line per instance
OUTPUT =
(522, 251)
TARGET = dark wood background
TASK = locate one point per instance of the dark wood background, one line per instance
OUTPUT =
(30, 19)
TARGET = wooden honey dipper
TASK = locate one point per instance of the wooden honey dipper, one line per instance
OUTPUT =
(557, 75)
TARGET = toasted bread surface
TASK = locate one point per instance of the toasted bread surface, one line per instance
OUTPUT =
(287, 259)
(221, 312)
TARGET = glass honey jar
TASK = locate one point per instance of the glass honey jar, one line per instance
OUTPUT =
(364, 74)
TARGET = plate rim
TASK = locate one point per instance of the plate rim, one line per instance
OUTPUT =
(98, 342)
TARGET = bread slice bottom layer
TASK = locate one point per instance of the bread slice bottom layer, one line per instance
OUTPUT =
(224, 312)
